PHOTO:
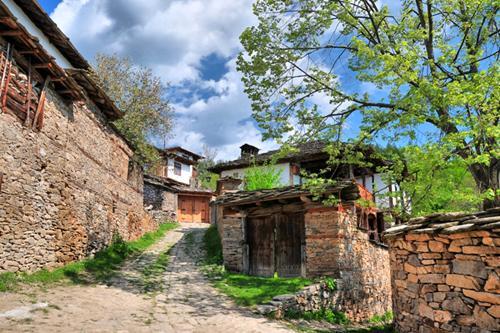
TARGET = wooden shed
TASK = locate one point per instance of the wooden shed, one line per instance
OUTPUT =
(284, 231)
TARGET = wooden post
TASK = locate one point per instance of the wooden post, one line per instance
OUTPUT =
(246, 250)
(40, 108)
(28, 95)
(4, 71)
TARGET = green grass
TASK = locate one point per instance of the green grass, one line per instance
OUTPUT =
(97, 269)
(244, 289)
(328, 315)
(153, 273)
(252, 290)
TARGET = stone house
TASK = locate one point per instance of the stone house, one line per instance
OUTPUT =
(312, 157)
(284, 231)
(445, 271)
(172, 189)
(67, 180)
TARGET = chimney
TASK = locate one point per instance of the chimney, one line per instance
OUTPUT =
(248, 151)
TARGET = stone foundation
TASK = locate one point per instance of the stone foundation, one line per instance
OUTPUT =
(445, 275)
(66, 189)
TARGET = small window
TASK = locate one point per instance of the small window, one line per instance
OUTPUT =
(177, 168)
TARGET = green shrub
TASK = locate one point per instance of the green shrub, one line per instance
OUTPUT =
(262, 177)
(213, 246)
(386, 318)
(331, 284)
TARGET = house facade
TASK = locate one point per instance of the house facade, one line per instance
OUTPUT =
(172, 189)
(68, 182)
(312, 157)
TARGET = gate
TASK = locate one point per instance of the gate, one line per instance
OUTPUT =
(275, 244)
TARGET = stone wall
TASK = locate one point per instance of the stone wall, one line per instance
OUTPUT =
(232, 236)
(66, 189)
(445, 279)
(161, 202)
(335, 247)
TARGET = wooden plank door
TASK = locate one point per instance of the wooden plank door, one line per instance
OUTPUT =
(185, 210)
(260, 238)
(289, 239)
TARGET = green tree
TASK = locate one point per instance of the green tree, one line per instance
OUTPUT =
(261, 177)
(208, 179)
(141, 97)
(434, 64)
(431, 182)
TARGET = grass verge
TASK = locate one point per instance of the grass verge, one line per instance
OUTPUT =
(244, 289)
(97, 269)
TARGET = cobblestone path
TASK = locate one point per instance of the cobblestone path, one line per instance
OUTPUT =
(179, 300)
(193, 305)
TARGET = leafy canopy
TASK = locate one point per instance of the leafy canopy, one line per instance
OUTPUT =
(141, 97)
(430, 68)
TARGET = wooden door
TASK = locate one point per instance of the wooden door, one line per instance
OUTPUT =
(193, 209)
(185, 209)
(288, 244)
(260, 238)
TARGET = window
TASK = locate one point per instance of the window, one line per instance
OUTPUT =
(177, 168)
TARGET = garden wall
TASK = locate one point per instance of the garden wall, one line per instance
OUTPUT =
(66, 189)
(445, 273)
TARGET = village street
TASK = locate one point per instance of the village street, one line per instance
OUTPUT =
(186, 303)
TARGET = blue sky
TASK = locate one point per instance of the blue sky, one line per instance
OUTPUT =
(190, 44)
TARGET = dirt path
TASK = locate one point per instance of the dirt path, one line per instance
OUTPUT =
(182, 300)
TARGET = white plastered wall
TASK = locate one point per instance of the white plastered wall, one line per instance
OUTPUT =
(186, 172)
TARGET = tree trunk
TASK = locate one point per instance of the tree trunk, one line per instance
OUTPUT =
(487, 177)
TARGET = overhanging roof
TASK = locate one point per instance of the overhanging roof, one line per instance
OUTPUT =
(96, 93)
(345, 190)
(49, 28)
(42, 63)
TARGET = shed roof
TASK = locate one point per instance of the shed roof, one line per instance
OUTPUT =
(448, 223)
(346, 189)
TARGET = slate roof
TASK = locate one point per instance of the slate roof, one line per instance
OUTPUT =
(448, 223)
(173, 186)
(42, 20)
(307, 151)
(347, 189)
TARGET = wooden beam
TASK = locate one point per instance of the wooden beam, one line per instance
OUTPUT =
(305, 199)
(44, 65)
(11, 33)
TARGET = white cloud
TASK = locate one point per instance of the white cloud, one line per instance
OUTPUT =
(172, 37)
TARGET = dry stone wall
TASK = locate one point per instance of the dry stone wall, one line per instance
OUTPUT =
(445, 273)
(232, 236)
(335, 247)
(66, 189)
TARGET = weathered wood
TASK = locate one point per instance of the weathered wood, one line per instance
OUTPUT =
(28, 97)
(38, 120)
(289, 239)
(260, 240)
